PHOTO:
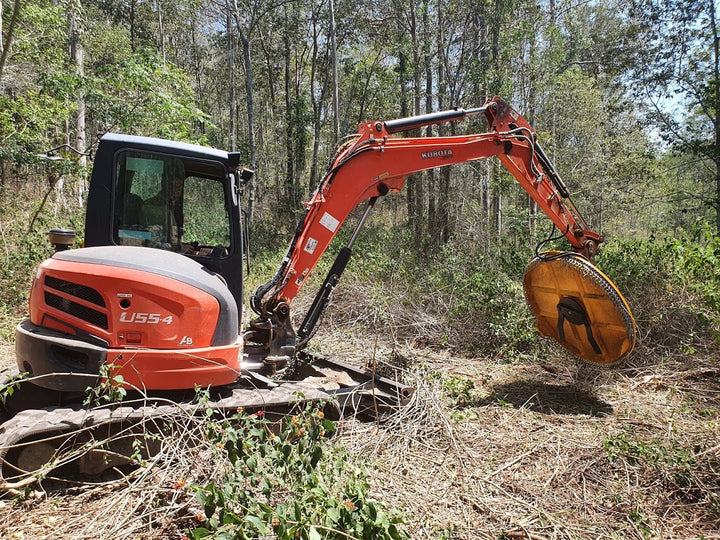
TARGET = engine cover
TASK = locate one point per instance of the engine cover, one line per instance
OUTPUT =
(165, 320)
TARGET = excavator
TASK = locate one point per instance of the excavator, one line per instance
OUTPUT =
(152, 303)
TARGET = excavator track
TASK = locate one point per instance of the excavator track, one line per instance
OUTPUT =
(75, 442)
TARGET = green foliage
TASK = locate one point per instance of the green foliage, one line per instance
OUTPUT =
(110, 388)
(16, 272)
(8, 388)
(162, 99)
(638, 518)
(478, 299)
(25, 222)
(690, 261)
(460, 389)
(678, 64)
(285, 481)
(697, 263)
(486, 305)
(25, 120)
(672, 460)
(33, 100)
(640, 450)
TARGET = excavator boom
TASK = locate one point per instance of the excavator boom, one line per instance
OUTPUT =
(375, 164)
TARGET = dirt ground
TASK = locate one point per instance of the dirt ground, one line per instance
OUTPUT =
(541, 449)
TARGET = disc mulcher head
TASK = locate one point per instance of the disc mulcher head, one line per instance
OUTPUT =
(580, 308)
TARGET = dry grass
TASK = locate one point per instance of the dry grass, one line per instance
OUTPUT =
(484, 450)
(524, 454)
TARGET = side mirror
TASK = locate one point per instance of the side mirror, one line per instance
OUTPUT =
(238, 181)
(246, 175)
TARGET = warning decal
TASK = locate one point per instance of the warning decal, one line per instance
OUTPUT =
(329, 222)
(310, 245)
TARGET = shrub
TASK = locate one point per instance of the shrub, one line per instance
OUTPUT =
(288, 481)
(672, 285)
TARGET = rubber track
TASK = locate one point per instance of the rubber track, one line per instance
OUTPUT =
(60, 423)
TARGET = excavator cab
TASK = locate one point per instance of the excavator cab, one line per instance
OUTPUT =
(173, 196)
(165, 318)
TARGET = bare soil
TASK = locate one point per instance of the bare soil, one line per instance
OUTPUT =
(543, 449)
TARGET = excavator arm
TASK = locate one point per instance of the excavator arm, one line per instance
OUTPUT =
(374, 164)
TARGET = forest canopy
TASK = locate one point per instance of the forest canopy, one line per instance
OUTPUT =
(624, 94)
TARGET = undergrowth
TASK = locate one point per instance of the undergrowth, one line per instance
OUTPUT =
(26, 216)
(288, 481)
(472, 296)
(672, 285)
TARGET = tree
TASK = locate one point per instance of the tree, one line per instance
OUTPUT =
(246, 19)
(77, 60)
(35, 87)
(142, 94)
(679, 76)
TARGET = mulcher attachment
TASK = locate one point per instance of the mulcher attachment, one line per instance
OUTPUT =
(580, 308)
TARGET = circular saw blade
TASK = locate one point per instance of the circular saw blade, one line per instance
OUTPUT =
(580, 308)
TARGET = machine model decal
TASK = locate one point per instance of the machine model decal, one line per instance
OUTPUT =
(145, 318)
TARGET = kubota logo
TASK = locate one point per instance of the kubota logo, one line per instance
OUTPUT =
(437, 153)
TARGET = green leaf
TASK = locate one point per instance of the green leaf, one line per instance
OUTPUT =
(260, 526)
(313, 534)
(332, 516)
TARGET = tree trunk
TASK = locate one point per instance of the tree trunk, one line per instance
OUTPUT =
(716, 120)
(2, 44)
(132, 25)
(232, 131)
(405, 111)
(336, 83)
(416, 196)
(251, 125)
(432, 221)
(5, 47)
(318, 101)
(244, 34)
(77, 57)
(197, 65)
(497, 199)
(161, 30)
(443, 187)
(287, 191)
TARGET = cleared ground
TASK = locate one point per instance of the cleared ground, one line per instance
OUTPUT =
(541, 449)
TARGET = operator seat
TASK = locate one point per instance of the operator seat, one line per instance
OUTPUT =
(133, 215)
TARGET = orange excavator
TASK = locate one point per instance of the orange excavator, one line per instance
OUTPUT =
(152, 304)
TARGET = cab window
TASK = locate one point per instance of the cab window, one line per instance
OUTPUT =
(170, 203)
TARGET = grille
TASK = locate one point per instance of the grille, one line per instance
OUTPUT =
(75, 289)
(80, 311)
